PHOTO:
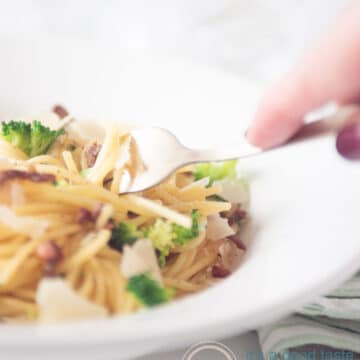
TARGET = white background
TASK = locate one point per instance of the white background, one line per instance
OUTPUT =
(255, 38)
(258, 39)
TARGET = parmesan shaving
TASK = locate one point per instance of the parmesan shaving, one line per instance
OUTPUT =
(58, 302)
(199, 183)
(140, 258)
(218, 228)
(23, 224)
(234, 191)
(64, 122)
(85, 131)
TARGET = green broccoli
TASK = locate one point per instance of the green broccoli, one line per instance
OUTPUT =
(184, 235)
(165, 235)
(216, 197)
(123, 234)
(85, 172)
(215, 171)
(148, 291)
(17, 133)
(61, 183)
(33, 139)
(161, 235)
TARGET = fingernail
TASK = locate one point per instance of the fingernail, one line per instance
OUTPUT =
(348, 142)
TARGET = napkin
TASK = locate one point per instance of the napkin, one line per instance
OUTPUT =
(329, 328)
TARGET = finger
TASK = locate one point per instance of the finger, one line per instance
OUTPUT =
(331, 71)
(348, 138)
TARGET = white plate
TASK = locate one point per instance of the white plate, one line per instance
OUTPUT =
(305, 199)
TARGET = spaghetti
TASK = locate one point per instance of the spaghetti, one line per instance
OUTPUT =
(67, 232)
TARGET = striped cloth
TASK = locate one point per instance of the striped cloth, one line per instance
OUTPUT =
(331, 324)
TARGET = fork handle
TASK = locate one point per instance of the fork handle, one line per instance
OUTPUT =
(320, 128)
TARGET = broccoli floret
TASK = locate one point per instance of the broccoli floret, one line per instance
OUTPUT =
(123, 234)
(184, 235)
(147, 291)
(18, 134)
(162, 237)
(85, 172)
(215, 171)
(42, 138)
(33, 139)
(216, 197)
(61, 183)
(165, 235)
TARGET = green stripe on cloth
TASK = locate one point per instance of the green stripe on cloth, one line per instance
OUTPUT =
(350, 289)
(343, 324)
(332, 321)
(334, 308)
(297, 331)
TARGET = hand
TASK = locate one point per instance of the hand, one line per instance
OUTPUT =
(330, 71)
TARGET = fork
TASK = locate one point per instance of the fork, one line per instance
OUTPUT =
(162, 153)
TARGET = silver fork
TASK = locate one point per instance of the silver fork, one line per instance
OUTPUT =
(163, 153)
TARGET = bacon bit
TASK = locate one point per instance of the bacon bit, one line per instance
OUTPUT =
(31, 168)
(23, 175)
(97, 211)
(51, 254)
(91, 153)
(49, 251)
(237, 216)
(110, 225)
(219, 272)
(36, 177)
(84, 216)
(237, 241)
(60, 111)
(132, 215)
